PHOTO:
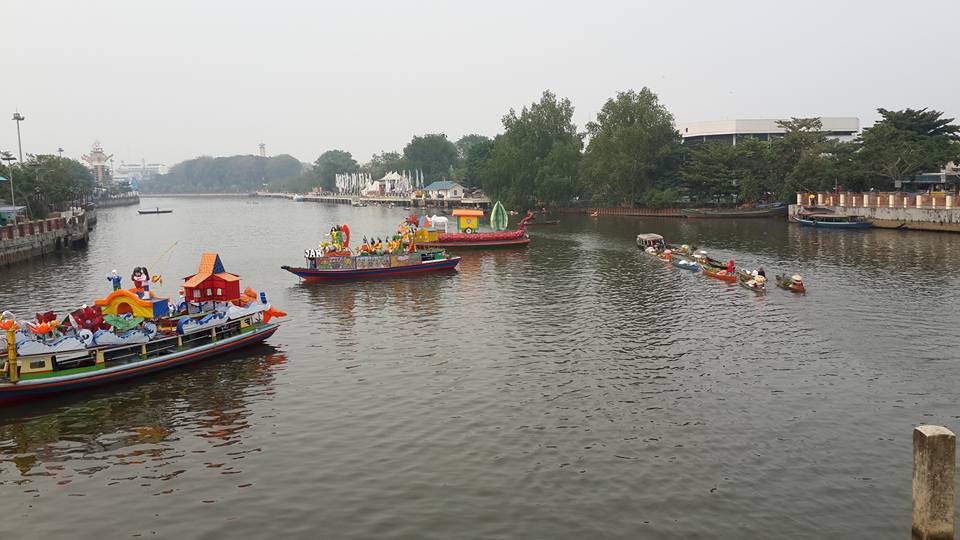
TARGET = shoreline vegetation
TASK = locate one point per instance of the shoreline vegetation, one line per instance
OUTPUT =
(631, 155)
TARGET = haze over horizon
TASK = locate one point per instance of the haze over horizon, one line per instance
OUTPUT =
(172, 81)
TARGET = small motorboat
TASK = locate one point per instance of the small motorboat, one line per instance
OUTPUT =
(154, 211)
(792, 283)
(747, 280)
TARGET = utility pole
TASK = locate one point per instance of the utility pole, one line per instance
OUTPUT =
(17, 117)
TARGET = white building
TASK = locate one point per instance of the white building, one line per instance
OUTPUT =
(134, 173)
(840, 128)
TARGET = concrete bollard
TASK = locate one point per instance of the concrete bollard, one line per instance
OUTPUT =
(800, 199)
(919, 201)
(949, 201)
(843, 200)
(891, 201)
(820, 199)
(934, 468)
(906, 202)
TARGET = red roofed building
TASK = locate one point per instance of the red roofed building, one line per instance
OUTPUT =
(211, 282)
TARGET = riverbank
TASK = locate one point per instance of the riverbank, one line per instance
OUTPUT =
(122, 200)
(191, 195)
(31, 239)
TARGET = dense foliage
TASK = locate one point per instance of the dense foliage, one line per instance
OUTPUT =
(234, 174)
(45, 183)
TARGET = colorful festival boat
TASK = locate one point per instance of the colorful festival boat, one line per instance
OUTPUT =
(397, 256)
(468, 226)
(131, 333)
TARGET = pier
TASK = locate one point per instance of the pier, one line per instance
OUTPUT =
(30, 239)
(922, 212)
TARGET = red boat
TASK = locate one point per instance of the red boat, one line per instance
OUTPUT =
(722, 275)
(515, 238)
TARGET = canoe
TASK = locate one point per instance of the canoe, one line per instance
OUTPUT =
(747, 281)
(156, 211)
(789, 283)
(544, 222)
(716, 273)
(684, 263)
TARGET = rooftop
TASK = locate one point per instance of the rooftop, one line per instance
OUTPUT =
(435, 186)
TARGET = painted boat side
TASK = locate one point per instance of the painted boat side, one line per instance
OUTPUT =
(487, 244)
(34, 388)
(309, 274)
(722, 277)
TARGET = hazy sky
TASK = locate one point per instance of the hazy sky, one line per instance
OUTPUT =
(170, 80)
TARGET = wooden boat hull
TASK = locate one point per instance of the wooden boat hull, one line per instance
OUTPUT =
(49, 386)
(781, 282)
(715, 274)
(776, 211)
(517, 242)
(314, 275)
(834, 224)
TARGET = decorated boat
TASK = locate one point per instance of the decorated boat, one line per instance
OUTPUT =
(792, 283)
(400, 255)
(435, 230)
(716, 273)
(753, 281)
(131, 333)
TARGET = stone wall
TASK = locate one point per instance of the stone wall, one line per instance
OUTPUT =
(922, 219)
(30, 239)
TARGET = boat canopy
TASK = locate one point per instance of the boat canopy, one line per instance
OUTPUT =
(467, 212)
(649, 237)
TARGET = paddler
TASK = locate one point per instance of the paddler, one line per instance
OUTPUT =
(730, 267)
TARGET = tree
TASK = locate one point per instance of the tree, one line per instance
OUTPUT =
(633, 148)
(382, 163)
(432, 153)
(535, 159)
(329, 165)
(908, 142)
(228, 174)
(717, 171)
(473, 152)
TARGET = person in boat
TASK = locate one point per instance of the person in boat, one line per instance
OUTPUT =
(730, 267)
(761, 273)
(114, 279)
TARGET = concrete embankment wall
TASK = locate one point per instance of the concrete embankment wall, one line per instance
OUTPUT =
(921, 219)
(117, 201)
(27, 240)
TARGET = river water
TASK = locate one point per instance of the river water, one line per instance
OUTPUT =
(574, 389)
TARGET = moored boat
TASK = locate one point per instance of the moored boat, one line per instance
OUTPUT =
(154, 211)
(132, 333)
(833, 221)
(771, 210)
(792, 283)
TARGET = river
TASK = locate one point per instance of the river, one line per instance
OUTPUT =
(574, 389)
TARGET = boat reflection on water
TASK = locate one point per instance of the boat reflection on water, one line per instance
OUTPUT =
(138, 424)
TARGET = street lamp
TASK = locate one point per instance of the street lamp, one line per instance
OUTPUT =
(60, 151)
(17, 117)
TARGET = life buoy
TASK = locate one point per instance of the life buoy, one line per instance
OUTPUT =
(468, 230)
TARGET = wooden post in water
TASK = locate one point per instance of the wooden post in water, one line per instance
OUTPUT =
(934, 468)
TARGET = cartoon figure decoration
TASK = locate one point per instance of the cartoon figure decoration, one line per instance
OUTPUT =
(141, 280)
(114, 278)
(340, 237)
